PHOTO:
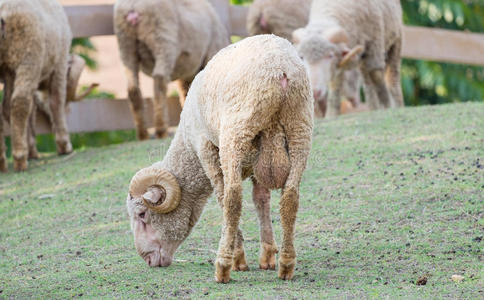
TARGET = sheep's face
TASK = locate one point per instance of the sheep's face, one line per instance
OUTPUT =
(158, 223)
(325, 56)
(320, 57)
(154, 244)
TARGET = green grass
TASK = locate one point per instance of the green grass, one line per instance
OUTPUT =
(387, 197)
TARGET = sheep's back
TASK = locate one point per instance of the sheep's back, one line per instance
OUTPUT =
(243, 84)
(364, 20)
(282, 16)
(37, 34)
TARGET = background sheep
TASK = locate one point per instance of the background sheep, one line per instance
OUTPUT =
(344, 34)
(34, 51)
(41, 99)
(249, 112)
(279, 17)
(167, 40)
(282, 17)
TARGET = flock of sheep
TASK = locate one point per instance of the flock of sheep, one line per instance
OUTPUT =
(248, 111)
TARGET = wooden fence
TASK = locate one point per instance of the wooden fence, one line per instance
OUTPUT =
(106, 115)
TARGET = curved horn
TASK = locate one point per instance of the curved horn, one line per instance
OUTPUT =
(158, 188)
(348, 57)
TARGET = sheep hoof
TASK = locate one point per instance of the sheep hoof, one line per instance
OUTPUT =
(20, 164)
(267, 259)
(64, 147)
(286, 268)
(222, 271)
(142, 135)
(33, 154)
(239, 262)
(161, 133)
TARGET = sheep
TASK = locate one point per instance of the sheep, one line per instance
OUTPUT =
(342, 35)
(249, 113)
(35, 41)
(76, 65)
(167, 40)
(282, 17)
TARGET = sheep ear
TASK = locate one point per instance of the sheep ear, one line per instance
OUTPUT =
(350, 56)
(154, 195)
(336, 36)
(298, 35)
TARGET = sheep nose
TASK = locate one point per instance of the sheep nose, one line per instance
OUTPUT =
(165, 261)
(153, 259)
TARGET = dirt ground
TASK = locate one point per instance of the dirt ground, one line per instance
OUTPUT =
(110, 73)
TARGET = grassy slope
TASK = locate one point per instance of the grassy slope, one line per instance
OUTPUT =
(387, 197)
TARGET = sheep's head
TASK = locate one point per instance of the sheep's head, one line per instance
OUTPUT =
(158, 225)
(326, 55)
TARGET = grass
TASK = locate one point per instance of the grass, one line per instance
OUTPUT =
(387, 198)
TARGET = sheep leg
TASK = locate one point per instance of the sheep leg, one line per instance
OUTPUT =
(296, 120)
(392, 75)
(378, 80)
(160, 107)
(211, 164)
(183, 86)
(371, 96)
(262, 200)
(334, 97)
(3, 148)
(136, 104)
(7, 95)
(239, 262)
(21, 106)
(5, 117)
(128, 48)
(57, 105)
(231, 157)
(33, 153)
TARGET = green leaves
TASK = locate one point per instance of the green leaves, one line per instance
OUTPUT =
(426, 82)
(84, 48)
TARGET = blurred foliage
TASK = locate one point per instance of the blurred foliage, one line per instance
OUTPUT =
(81, 141)
(86, 49)
(97, 94)
(426, 82)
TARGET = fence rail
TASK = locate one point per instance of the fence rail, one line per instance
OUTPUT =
(104, 115)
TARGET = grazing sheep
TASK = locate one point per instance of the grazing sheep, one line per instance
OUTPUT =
(282, 17)
(168, 40)
(41, 99)
(35, 39)
(248, 113)
(344, 34)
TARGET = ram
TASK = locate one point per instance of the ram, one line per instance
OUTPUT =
(35, 39)
(167, 40)
(346, 34)
(249, 113)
